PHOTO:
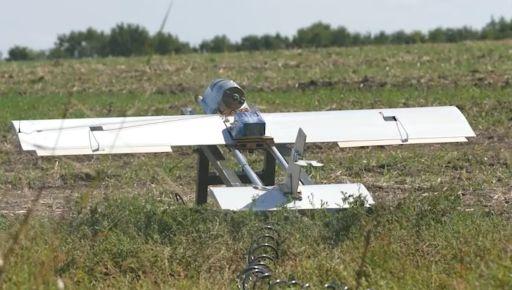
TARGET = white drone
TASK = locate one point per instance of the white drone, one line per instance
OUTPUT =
(230, 122)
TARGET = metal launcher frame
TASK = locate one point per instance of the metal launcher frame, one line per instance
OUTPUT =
(213, 156)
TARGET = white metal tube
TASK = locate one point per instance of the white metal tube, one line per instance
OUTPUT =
(247, 168)
(277, 155)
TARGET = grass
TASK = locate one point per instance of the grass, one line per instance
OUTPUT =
(443, 214)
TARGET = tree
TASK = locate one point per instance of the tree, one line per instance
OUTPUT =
(78, 44)
(128, 40)
(273, 42)
(381, 38)
(316, 35)
(20, 53)
(437, 35)
(504, 28)
(399, 37)
(340, 37)
(217, 44)
(490, 30)
(366, 39)
(417, 37)
(250, 42)
(264, 42)
(356, 39)
(166, 43)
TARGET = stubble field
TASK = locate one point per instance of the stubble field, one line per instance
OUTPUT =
(443, 213)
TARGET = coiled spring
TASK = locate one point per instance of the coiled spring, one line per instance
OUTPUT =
(262, 257)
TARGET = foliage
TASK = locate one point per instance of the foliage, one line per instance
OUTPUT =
(217, 44)
(145, 241)
(316, 35)
(500, 29)
(128, 40)
(264, 42)
(21, 53)
(166, 43)
(78, 44)
(131, 39)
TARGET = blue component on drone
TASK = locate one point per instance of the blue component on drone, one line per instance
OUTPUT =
(248, 124)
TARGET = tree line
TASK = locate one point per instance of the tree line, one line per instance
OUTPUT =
(135, 40)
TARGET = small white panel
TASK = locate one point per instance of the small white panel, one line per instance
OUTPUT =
(328, 196)
(400, 142)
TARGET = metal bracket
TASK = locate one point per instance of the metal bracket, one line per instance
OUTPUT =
(93, 142)
(282, 150)
(404, 135)
(293, 170)
(305, 163)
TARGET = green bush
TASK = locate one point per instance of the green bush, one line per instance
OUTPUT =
(128, 40)
(166, 43)
(21, 53)
(78, 44)
(217, 44)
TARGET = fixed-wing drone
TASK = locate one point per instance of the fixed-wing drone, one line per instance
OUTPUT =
(229, 121)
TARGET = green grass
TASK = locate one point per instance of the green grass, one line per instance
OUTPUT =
(443, 213)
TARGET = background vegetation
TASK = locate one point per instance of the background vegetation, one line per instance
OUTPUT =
(443, 213)
(132, 40)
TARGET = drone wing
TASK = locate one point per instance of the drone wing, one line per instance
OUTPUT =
(350, 128)
(355, 128)
(118, 135)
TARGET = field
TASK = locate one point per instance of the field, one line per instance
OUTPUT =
(443, 214)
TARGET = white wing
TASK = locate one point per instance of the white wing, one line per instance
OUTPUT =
(157, 134)
(118, 135)
(372, 127)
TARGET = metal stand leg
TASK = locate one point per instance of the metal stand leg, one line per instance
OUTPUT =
(269, 169)
(203, 170)
(212, 156)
